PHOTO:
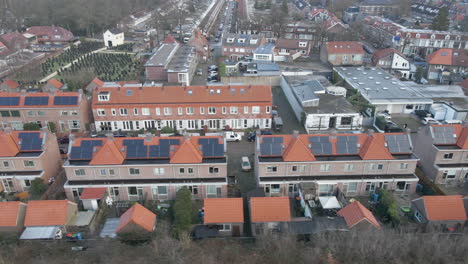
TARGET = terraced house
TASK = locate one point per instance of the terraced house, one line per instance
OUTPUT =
(26, 155)
(130, 106)
(356, 164)
(147, 168)
(69, 111)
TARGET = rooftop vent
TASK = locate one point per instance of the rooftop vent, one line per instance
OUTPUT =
(385, 88)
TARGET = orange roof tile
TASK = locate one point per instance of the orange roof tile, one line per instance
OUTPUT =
(355, 212)
(344, 47)
(462, 140)
(223, 210)
(9, 212)
(374, 148)
(297, 151)
(186, 153)
(108, 154)
(98, 81)
(9, 147)
(47, 213)
(440, 57)
(270, 209)
(56, 83)
(139, 215)
(93, 193)
(440, 208)
(12, 84)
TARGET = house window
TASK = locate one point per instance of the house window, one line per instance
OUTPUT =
(224, 110)
(101, 112)
(346, 120)
(134, 171)
(268, 109)
(132, 191)
(255, 109)
(325, 167)
(189, 110)
(74, 124)
(123, 111)
(352, 187)
(167, 111)
(303, 168)
(294, 168)
(145, 111)
(214, 170)
(211, 110)
(5, 113)
(80, 172)
(15, 113)
(162, 190)
(103, 96)
(448, 156)
(224, 227)
(202, 110)
(325, 189)
(158, 171)
(246, 109)
(135, 111)
(403, 166)
(403, 186)
(181, 170)
(113, 111)
(370, 186)
(234, 109)
(374, 166)
(272, 169)
(180, 110)
(349, 167)
(103, 172)
(111, 172)
(193, 190)
(190, 170)
(158, 111)
(28, 163)
(418, 216)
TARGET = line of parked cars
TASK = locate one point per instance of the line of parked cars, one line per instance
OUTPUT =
(212, 73)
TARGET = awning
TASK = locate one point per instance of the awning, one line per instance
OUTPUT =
(329, 202)
(41, 232)
(92, 193)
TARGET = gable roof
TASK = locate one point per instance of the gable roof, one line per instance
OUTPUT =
(56, 83)
(9, 212)
(93, 193)
(9, 147)
(138, 215)
(55, 33)
(97, 81)
(290, 43)
(374, 148)
(297, 151)
(440, 208)
(47, 213)
(462, 140)
(10, 142)
(108, 154)
(270, 209)
(384, 53)
(450, 57)
(344, 47)
(186, 153)
(11, 83)
(223, 210)
(355, 212)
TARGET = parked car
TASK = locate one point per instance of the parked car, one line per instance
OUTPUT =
(251, 136)
(213, 73)
(63, 140)
(384, 114)
(233, 136)
(212, 68)
(199, 71)
(245, 164)
(212, 79)
(430, 121)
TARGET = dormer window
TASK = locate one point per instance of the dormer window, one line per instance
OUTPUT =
(241, 40)
(457, 37)
(432, 36)
(253, 42)
(418, 35)
(447, 37)
(408, 35)
(230, 40)
(302, 44)
(103, 96)
(129, 92)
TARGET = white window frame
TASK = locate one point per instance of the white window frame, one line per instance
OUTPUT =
(211, 110)
(325, 167)
(255, 109)
(123, 111)
(101, 112)
(80, 172)
(145, 111)
(134, 170)
(158, 171)
(135, 111)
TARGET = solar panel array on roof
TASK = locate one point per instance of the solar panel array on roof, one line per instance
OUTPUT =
(444, 135)
(9, 101)
(65, 100)
(271, 146)
(163, 149)
(85, 151)
(347, 145)
(321, 145)
(211, 147)
(36, 100)
(398, 143)
(30, 141)
(135, 148)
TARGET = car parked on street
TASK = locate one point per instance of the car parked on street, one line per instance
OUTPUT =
(233, 136)
(430, 121)
(245, 163)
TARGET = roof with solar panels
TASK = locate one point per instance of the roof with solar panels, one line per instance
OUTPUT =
(450, 136)
(38, 100)
(149, 149)
(21, 143)
(302, 148)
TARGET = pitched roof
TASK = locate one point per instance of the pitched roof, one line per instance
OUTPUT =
(56, 83)
(9, 146)
(297, 151)
(223, 210)
(10, 142)
(97, 81)
(11, 83)
(270, 209)
(440, 208)
(47, 213)
(186, 153)
(441, 56)
(374, 148)
(9, 212)
(108, 154)
(384, 53)
(92, 193)
(55, 33)
(138, 215)
(53, 101)
(169, 39)
(355, 212)
(462, 140)
(290, 43)
(344, 47)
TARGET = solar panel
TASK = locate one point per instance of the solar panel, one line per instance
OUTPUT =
(85, 151)
(158, 151)
(211, 147)
(313, 139)
(36, 100)
(168, 142)
(444, 135)
(9, 101)
(398, 143)
(65, 100)
(273, 140)
(271, 149)
(30, 141)
(347, 145)
(135, 148)
(323, 148)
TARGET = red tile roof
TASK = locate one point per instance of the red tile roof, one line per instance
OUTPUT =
(187, 153)
(374, 148)
(138, 215)
(10, 143)
(54, 33)
(462, 140)
(98, 81)
(270, 209)
(223, 210)
(47, 213)
(441, 56)
(12, 84)
(355, 212)
(149, 96)
(440, 208)
(384, 53)
(108, 154)
(43, 94)
(57, 84)
(464, 84)
(93, 193)
(9, 212)
(297, 150)
(354, 47)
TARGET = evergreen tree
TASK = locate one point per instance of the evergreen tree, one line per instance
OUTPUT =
(284, 6)
(183, 211)
(441, 21)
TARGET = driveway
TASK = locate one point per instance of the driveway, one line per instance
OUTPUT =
(290, 122)
(235, 150)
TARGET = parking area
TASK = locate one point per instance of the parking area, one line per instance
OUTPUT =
(408, 120)
(290, 122)
(235, 151)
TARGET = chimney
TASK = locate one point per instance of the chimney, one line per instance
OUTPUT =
(333, 133)
(23, 92)
(110, 136)
(295, 134)
(370, 132)
(52, 92)
(148, 137)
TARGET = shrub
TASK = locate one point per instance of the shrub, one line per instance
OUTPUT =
(182, 211)
(387, 208)
(52, 127)
(167, 130)
(38, 187)
(31, 126)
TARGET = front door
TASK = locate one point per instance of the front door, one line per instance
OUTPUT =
(236, 231)
(109, 43)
